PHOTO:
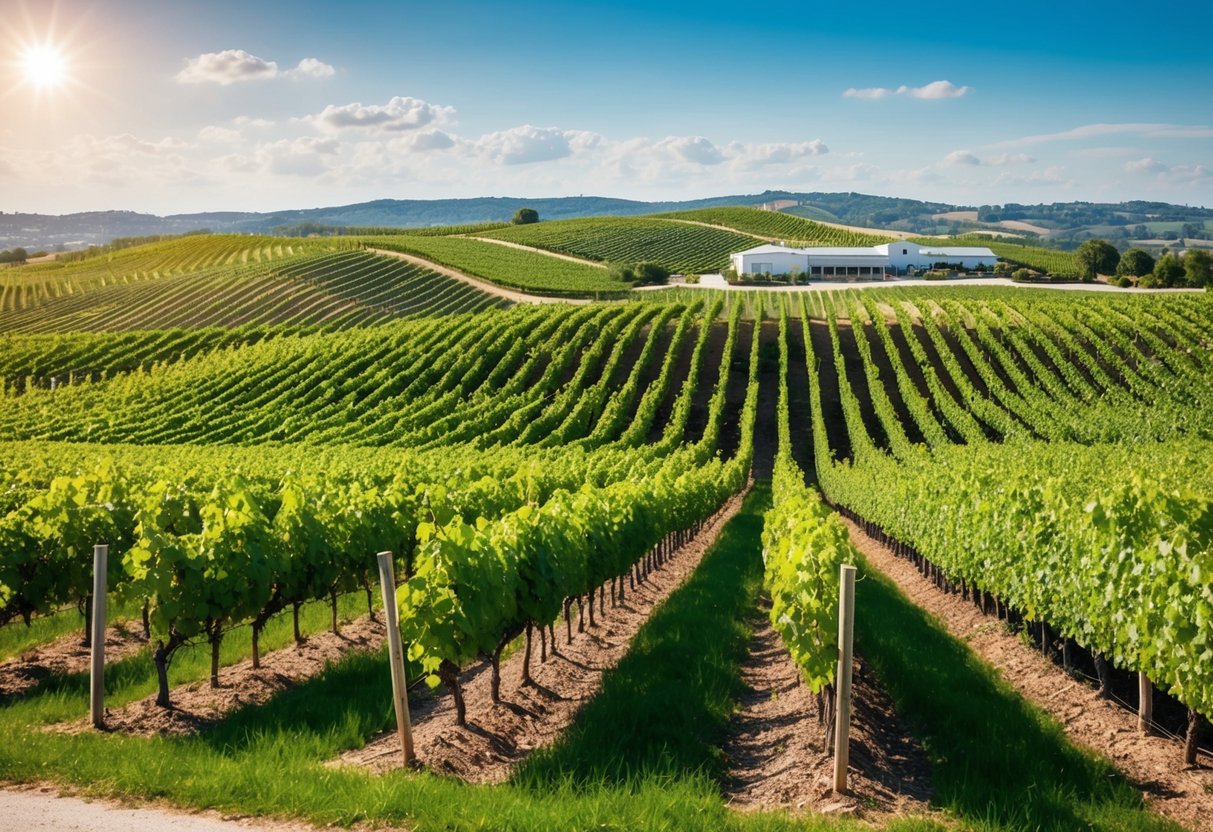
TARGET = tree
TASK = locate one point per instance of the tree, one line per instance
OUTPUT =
(651, 273)
(1134, 263)
(1168, 271)
(1198, 266)
(525, 216)
(1096, 257)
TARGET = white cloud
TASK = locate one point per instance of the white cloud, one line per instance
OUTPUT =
(758, 155)
(307, 156)
(219, 135)
(399, 114)
(935, 90)
(430, 140)
(1168, 174)
(932, 91)
(526, 144)
(1146, 165)
(960, 158)
(965, 158)
(1093, 131)
(695, 149)
(232, 66)
(868, 92)
(227, 67)
(312, 68)
(250, 121)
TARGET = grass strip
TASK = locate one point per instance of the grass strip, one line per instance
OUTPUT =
(270, 759)
(1000, 762)
(663, 710)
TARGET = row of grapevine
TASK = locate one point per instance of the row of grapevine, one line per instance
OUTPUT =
(775, 225)
(680, 247)
(519, 269)
(329, 290)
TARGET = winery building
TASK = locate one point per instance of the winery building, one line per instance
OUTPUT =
(896, 258)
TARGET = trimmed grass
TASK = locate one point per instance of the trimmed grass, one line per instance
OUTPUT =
(1000, 763)
(663, 711)
(270, 760)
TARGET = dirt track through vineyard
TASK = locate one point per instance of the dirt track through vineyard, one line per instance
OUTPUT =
(499, 736)
(776, 747)
(1152, 763)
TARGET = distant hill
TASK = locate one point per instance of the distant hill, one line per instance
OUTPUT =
(1064, 224)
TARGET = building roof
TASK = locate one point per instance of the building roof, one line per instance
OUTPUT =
(842, 251)
(770, 248)
(958, 251)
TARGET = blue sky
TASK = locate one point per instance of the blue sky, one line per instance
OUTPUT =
(191, 106)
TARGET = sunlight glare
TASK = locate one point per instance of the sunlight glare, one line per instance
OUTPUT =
(44, 66)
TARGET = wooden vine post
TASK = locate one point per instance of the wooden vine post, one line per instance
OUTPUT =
(400, 694)
(96, 681)
(846, 632)
(1145, 703)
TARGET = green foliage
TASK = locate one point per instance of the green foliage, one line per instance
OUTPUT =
(678, 246)
(334, 289)
(1198, 268)
(776, 225)
(529, 271)
(1096, 257)
(525, 216)
(1134, 263)
(1168, 272)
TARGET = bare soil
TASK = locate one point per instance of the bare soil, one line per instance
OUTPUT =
(777, 744)
(63, 656)
(499, 736)
(197, 707)
(1152, 763)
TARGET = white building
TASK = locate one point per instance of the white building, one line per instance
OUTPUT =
(839, 262)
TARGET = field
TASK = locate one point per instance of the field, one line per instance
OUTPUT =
(596, 513)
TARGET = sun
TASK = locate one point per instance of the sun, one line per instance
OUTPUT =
(44, 67)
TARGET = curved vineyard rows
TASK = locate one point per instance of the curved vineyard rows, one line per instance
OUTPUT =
(677, 246)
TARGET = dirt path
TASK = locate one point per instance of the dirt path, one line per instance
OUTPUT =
(1152, 763)
(500, 736)
(714, 225)
(482, 285)
(45, 809)
(63, 656)
(776, 747)
(533, 250)
(197, 706)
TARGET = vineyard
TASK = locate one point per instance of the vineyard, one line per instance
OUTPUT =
(776, 225)
(680, 247)
(248, 423)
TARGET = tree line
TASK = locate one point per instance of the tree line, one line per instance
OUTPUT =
(1192, 269)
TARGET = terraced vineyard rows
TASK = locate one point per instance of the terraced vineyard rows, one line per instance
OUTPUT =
(776, 225)
(31, 285)
(335, 290)
(525, 270)
(680, 247)
(1045, 453)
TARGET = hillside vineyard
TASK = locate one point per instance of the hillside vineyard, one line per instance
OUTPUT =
(247, 423)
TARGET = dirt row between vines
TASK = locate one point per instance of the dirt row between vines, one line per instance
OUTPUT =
(197, 706)
(499, 736)
(776, 748)
(65, 656)
(1152, 763)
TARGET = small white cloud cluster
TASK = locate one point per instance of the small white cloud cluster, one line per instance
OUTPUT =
(932, 91)
(1182, 174)
(965, 158)
(400, 114)
(232, 66)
